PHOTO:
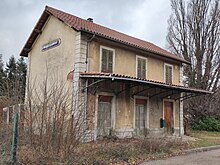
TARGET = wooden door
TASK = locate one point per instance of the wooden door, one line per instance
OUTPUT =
(168, 115)
(104, 115)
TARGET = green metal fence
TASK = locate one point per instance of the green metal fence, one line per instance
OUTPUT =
(10, 125)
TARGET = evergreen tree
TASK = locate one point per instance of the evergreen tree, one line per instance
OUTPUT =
(15, 79)
(11, 80)
(2, 76)
(21, 74)
(11, 68)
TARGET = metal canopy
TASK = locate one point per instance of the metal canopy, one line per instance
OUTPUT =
(168, 89)
(130, 86)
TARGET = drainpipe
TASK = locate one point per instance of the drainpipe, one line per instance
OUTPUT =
(180, 116)
(179, 121)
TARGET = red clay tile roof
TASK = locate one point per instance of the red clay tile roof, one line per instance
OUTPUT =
(80, 24)
(114, 76)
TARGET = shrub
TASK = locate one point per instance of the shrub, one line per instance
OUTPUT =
(206, 124)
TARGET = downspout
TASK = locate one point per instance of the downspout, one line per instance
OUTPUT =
(180, 100)
(179, 118)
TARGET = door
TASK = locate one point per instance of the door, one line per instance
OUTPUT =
(140, 116)
(104, 115)
(168, 116)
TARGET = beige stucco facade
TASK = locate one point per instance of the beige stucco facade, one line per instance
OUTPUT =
(124, 111)
(54, 63)
(124, 106)
(76, 53)
(125, 63)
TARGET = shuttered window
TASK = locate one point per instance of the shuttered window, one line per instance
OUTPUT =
(141, 68)
(168, 74)
(107, 60)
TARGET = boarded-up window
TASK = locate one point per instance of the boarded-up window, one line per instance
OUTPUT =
(107, 61)
(141, 68)
(140, 116)
(104, 115)
(169, 74)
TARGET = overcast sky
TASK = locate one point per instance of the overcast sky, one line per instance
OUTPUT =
(145, 19)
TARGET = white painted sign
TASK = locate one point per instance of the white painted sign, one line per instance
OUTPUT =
(51, 44)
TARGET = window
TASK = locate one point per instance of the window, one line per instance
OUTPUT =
(141, 64)
(168, 74)
(107, 59)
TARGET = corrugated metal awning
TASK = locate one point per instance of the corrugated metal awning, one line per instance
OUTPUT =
(156, 84)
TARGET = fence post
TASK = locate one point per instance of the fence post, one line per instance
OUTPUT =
(14, 137)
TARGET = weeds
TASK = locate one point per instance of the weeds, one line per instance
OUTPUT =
(50, 128)
(5, 143)
(102, 152)
(127, 151)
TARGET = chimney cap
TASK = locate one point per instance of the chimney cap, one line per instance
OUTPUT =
(90, 19)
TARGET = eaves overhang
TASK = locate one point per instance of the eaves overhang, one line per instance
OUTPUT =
(136, 46)
(34, 34)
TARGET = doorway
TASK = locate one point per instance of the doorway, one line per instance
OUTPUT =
(168, 116)
(140, 116)
(104, 115)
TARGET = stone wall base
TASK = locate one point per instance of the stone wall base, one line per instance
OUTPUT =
(90, 135)
(124, 133)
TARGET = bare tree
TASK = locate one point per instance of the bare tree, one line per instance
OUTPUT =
(50, 124)
(194, 33)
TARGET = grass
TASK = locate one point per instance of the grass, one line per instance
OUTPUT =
(205, 138)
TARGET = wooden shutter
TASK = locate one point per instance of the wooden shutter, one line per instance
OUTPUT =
(168, 74)
(107, 61)
(141, 68)
(139, 116)
(142, 116)
(110, 61)
(104, 60)
(104, 118)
